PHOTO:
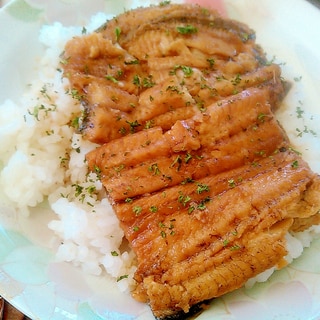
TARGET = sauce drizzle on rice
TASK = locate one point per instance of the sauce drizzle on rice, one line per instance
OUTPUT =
(201, 176)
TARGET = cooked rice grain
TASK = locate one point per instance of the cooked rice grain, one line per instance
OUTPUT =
(42, 158)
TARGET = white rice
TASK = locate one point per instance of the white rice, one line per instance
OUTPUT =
(43, 160)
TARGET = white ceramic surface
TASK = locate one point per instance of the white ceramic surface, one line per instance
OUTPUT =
(32, 280)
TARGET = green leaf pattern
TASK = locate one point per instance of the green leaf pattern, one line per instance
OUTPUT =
(21, 10)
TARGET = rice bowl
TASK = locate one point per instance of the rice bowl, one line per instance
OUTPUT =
(43, 161)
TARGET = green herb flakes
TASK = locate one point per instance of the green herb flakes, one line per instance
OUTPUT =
(137, 210)
(117, 32)
(231, 183)
(202, 188)
(153, 209)
(125, 276)
(188, 29)
(154, 169)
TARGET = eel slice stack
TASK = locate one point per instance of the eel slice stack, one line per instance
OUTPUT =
(201, 175)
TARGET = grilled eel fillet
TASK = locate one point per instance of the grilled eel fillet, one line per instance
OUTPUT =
(199, 172)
